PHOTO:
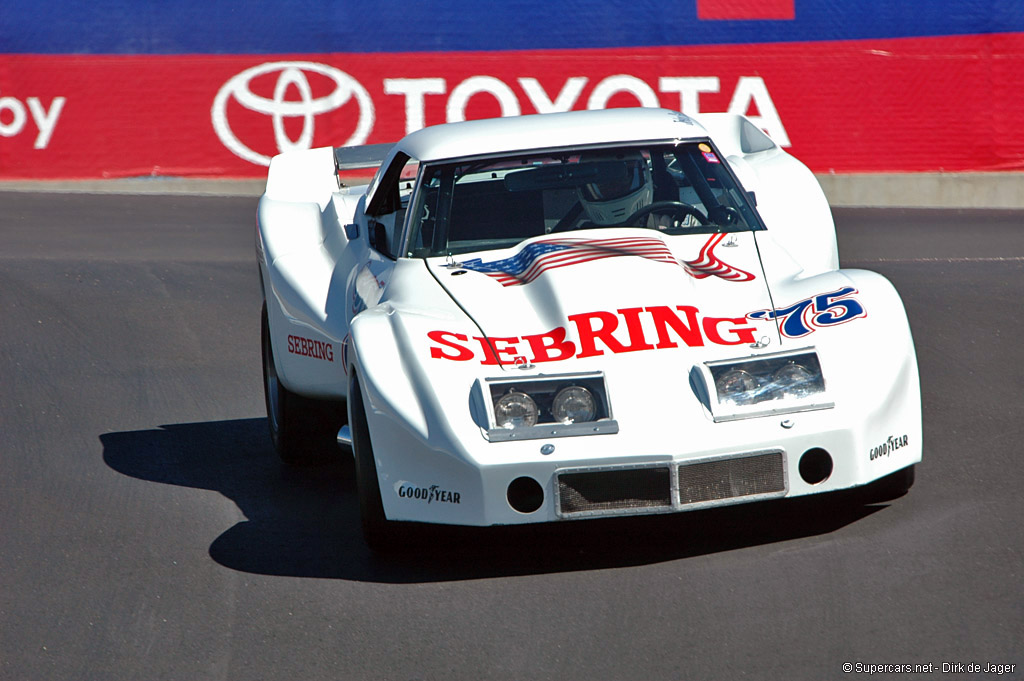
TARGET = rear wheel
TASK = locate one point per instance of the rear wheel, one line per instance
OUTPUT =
(303, 430)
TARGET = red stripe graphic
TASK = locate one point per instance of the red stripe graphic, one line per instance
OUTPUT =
(708, 264)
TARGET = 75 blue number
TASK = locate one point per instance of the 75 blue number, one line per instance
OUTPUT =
(827, 309)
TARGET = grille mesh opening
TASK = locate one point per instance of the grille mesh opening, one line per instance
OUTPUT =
(731, 478)
(616, 490)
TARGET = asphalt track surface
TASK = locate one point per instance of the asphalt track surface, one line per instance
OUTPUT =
(147, 530)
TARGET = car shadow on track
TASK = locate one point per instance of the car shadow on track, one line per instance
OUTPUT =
(304, 522)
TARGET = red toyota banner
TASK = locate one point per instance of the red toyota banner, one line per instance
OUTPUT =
(906, 104)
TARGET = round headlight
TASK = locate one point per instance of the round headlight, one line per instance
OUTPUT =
(794, 380)
(574, 404)
(736, 385)
(515, 410)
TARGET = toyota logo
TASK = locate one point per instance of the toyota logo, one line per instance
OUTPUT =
(291, 75)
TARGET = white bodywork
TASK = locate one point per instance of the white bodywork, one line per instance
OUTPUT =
(426, 337)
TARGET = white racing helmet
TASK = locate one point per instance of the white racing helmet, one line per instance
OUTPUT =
(610, 201)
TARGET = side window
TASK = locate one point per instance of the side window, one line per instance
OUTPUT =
(424, 237)
(386, 215)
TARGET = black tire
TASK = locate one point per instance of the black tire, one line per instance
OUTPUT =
(303, 430)
(379, 533)
(890, 487)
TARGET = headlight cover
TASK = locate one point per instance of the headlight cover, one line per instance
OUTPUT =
(767, 384)
(542, 406)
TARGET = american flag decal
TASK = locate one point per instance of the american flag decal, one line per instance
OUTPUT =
(708, 264)
(540, 256)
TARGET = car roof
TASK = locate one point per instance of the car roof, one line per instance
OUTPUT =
(541, 131)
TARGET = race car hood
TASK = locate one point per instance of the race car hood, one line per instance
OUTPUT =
(613, 290)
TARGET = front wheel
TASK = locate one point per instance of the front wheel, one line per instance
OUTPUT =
(890, 487)
(303, 430)
(380, 534)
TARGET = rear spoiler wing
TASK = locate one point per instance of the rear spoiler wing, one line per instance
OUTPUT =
(311, 175)
(361, 157)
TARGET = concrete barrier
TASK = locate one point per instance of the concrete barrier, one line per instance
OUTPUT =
(894, 190)
(932, 190)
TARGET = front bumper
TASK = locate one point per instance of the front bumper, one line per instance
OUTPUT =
(506, 483)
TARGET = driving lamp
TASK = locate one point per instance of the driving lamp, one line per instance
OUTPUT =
(574, 404)
(737, 386)
(515, 410)
(794, 380)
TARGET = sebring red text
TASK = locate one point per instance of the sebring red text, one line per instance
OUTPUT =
(595, 334)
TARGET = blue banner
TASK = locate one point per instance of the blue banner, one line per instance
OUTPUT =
(181, 27)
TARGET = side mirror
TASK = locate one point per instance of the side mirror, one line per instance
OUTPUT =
(753, 198)
(352, 231)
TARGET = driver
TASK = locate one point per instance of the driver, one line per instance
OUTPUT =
(612, 200)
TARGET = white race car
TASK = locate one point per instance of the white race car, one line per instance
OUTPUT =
(561, 316)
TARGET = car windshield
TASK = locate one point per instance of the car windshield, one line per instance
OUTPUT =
(682, 188)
